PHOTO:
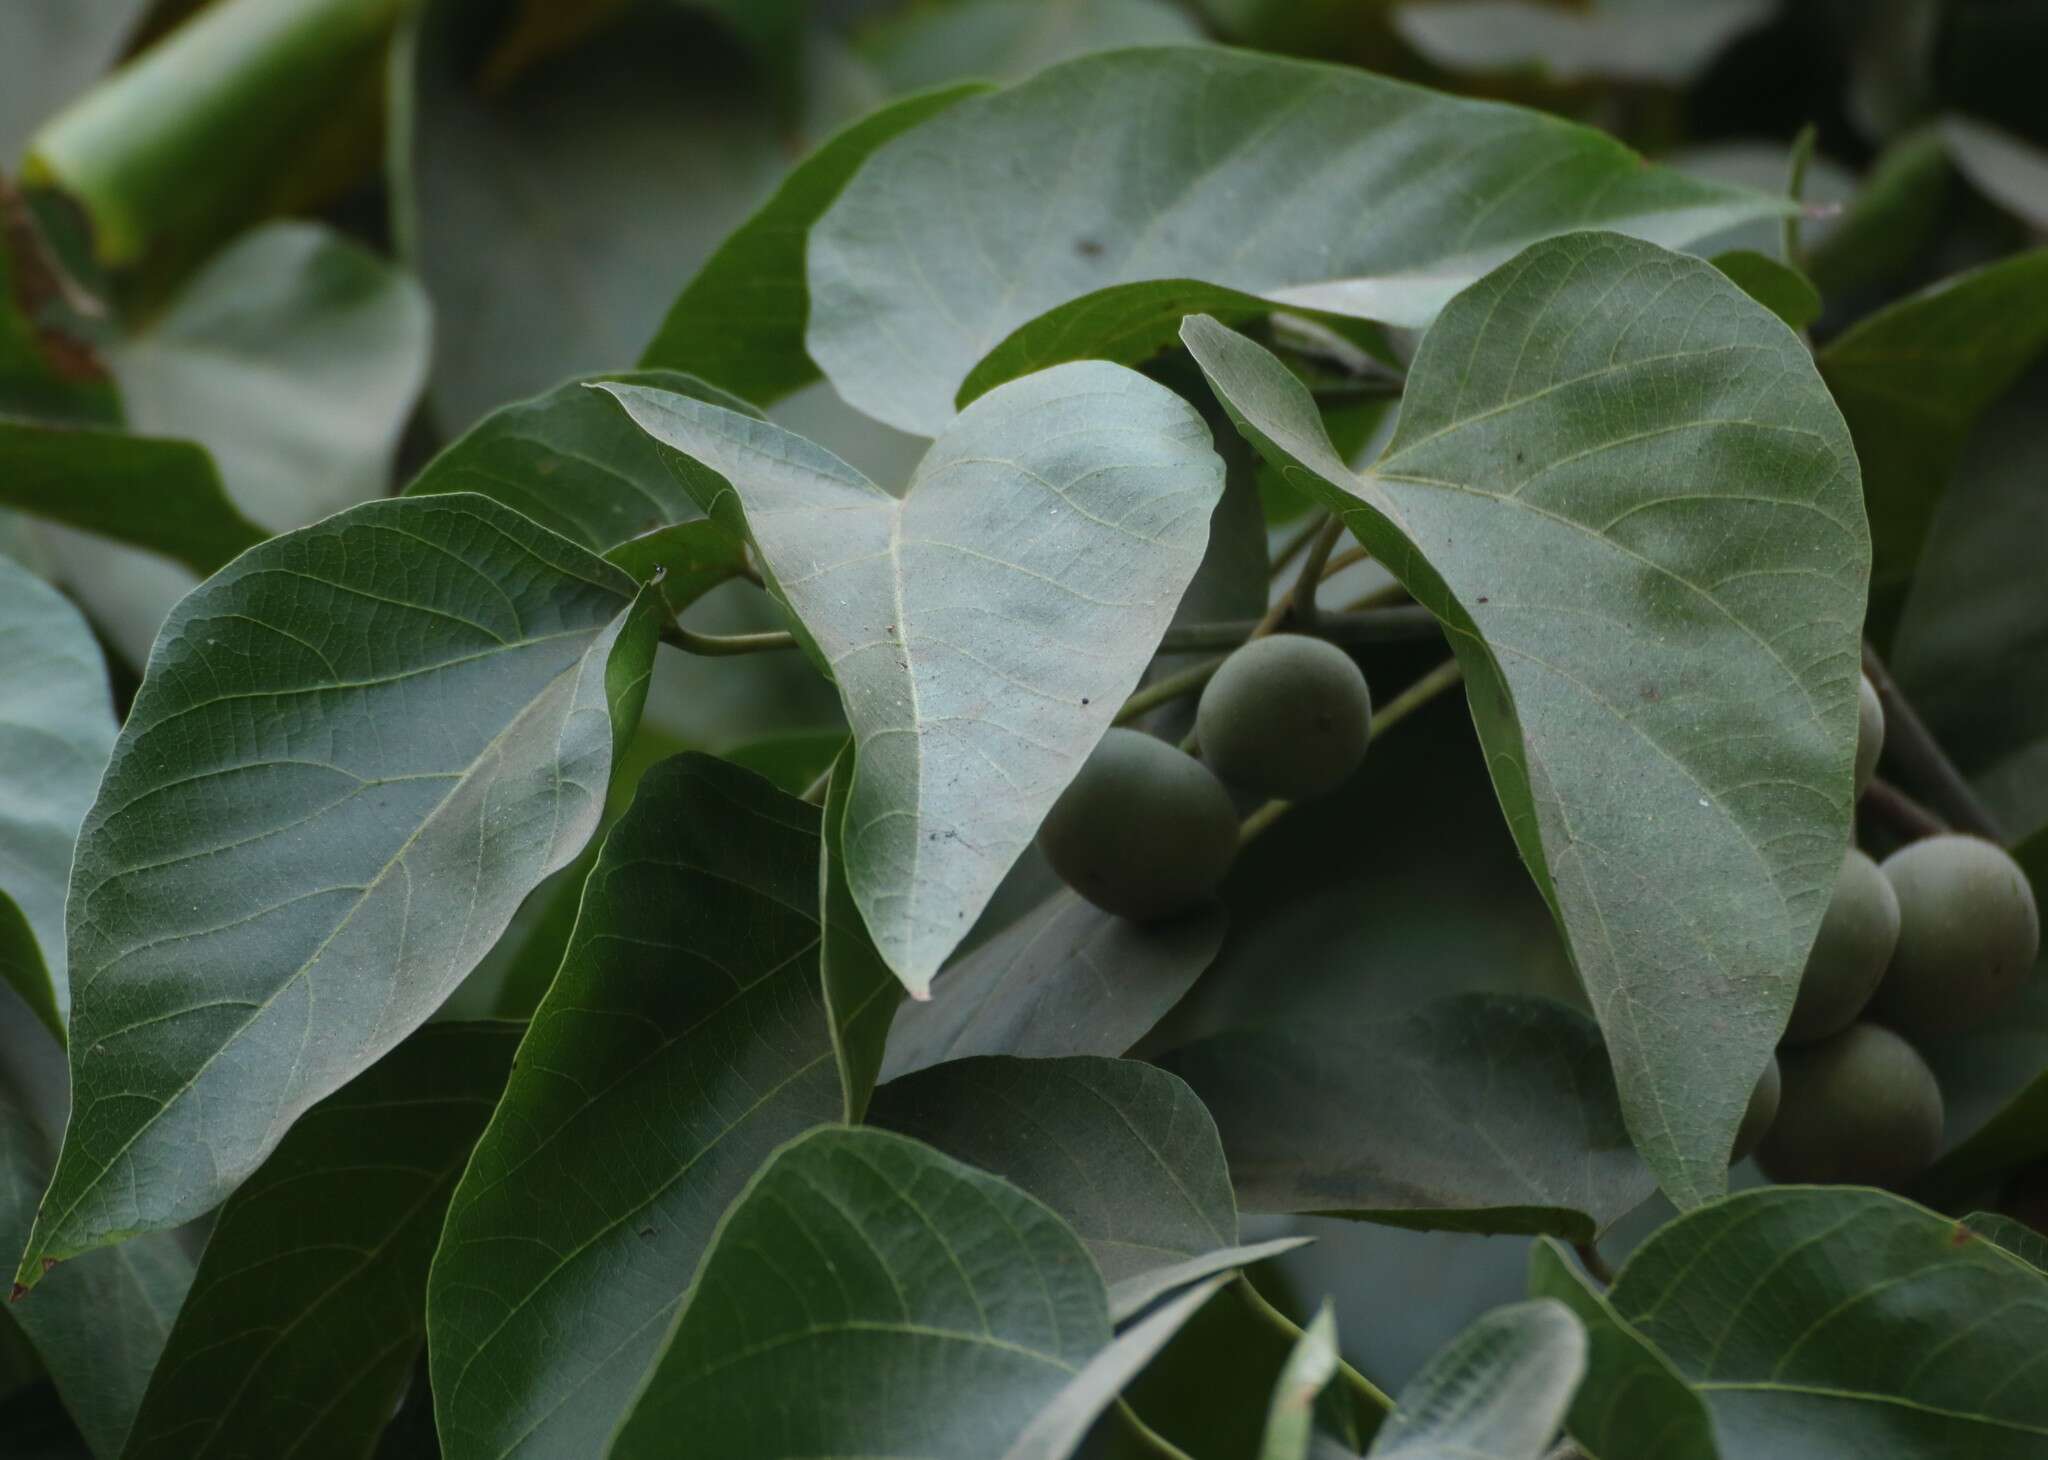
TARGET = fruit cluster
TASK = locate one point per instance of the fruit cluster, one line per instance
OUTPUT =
(1147, 831)
(1929, 944)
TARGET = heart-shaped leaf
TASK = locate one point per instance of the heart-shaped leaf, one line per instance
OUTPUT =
(1498, 1391)
(1487, 1113)
(741, 320)
(1620, 483)
(933, 1310)
(97, 1325)
(56, 732)
(1066, 978)
(309, 1306)
(1632, 1402)
(984, 627)
(355, 750)
(1122, 1150)
(683, 1040)
(1834, 1322)
(1319, 186)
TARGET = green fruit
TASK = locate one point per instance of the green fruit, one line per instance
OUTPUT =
(1285, 716)
(1860, 1108)
(1763, 1109)
(1869, 732)
(1968, 935)
(1857, 935)
(1144, 831)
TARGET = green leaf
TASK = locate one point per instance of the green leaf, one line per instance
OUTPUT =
(551, 218)
(1966, 650)
(1899, 209)
(1066, 978)
(690, 559)
(356, 749)
(1123, 1151)
(55, 48)
(2010, 172)
(861, 994)
(1622, 40)
(1631, 1402)
(1006, 39)
(48, 371)
(1498, 1391)
(56, 732)
(1132, 1295)
(1053, 528)
(98, 1323)
(146, 491)
(1290, 1418)
(572, 461)
(1780, 288)
(1012, 219)
(683, 1039)
(1833, 1322)
(741, 320)
(1058, 1428)
(1913, 378)
(309, 1306)
(1621, 485)
(932, 1310)
(2022, 1241)
(1490, 1114)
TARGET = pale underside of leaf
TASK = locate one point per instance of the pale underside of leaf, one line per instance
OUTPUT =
(1621, 485)
(984, 627)
(356, 750)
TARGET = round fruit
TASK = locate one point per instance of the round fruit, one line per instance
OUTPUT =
(1968, 934)
(1861, 1107)
(1869, 732)
(1857, 935)
(1763, 1109)
(1285, 716)
(1144, 831)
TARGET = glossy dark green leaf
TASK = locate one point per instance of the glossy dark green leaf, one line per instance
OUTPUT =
(1965, 649)
(309, 1306)
(1831, 1322)
(1066, 978)
(1620, 40)
(146, 491)
(1498, 1391)
(552, 217)
(984, 627)
(741, 320)
(931, 1310)
(1480, 1112)
(2022, 1241)
(1778, 287)
(1122, 1150)
(97, 1323)
(574, 462)
(861, 993)
(1059, 1427)
(1620, 483)
(1913, 378)
(355, 751)
(56, 732)
(924, 45)
(683, 1039)
(1013, 219)
(1631, 1402)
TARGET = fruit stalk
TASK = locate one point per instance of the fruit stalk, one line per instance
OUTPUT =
(1915, 750)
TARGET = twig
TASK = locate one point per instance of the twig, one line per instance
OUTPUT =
(1302, 599)
(692, 642)
(1911, 746)
(1356, 553)
(1165, 691)
(1901, 812)
(1291, 548)
(1400, 624)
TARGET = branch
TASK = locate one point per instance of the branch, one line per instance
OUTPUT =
(1401, 624)
(1901, 812)
(1909, 743)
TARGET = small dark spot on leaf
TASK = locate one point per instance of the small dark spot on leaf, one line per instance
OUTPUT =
(1087, 248)
(18, 1294)
(49, 1263)
(1961, 1236)
(1652, 694)
(647, 1231)
(1084, 699)
(1482, 598)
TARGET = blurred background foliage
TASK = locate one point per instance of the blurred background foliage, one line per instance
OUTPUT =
(452, 204)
